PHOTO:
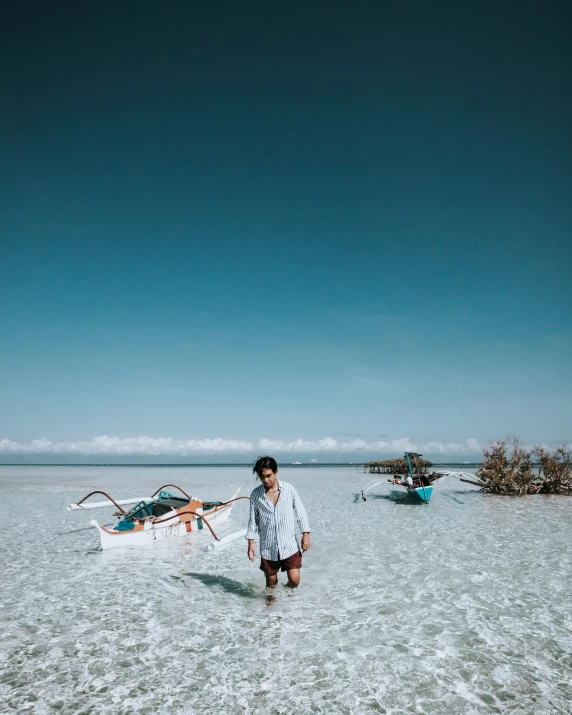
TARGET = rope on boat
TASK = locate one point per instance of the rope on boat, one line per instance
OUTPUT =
(171, 485)
(111, 499)
(180, 513)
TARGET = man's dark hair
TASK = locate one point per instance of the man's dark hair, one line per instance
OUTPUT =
(264, 463)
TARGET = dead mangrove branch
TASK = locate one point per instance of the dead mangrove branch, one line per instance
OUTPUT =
(508, 468)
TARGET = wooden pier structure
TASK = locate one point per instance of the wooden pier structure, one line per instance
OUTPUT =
(395, 466)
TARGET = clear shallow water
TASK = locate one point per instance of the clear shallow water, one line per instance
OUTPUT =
(462, 606)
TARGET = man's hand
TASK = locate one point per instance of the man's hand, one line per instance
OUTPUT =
(250, 550)
(305, 541)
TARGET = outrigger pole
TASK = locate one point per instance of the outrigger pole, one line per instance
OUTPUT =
(199, 516)
(171, 485)
(99, 504)
(180, 513)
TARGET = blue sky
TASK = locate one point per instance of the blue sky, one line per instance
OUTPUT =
(330, 223)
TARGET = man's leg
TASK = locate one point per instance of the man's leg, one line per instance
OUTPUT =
(271, 583)
(271, 580)
(270, 570)
(293, 578)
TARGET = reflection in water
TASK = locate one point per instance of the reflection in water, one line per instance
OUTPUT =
(450, 496)
(246, 590)
(394, 496)
(458, 606)
(397, 498)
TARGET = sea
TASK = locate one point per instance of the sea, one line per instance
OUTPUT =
(459, 606)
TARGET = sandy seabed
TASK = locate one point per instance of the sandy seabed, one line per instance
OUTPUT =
(459, 606)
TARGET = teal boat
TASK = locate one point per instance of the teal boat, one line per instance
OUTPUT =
(418, 485)
(424, 490)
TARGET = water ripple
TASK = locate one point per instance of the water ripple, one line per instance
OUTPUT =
(461, 606)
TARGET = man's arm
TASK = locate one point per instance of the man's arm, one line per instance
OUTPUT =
(302, 518)
(252, 530)
(250, 550)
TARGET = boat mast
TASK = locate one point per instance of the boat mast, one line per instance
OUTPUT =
(415, 457)
(409, 465)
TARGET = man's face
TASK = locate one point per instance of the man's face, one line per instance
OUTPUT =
(268, 478)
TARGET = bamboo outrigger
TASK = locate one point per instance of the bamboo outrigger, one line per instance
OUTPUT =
(156, 517)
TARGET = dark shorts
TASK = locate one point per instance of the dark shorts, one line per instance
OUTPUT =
(271, 568)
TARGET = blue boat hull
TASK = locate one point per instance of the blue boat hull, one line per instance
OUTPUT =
(422, 494)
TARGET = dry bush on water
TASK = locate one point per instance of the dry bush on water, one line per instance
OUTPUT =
(504, 474)
(508, 469)
(555, 476)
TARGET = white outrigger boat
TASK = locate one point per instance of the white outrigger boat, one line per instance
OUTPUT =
(156, 517)
(419, 486)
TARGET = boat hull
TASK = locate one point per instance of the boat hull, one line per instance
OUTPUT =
(148, 533)
(422, 494)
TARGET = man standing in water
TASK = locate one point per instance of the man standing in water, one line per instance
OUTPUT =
(274, 508)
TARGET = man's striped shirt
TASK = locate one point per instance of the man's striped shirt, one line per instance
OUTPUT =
(277, 524)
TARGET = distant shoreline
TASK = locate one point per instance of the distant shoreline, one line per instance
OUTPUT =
(282, 465)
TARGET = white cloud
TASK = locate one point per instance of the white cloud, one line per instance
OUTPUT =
(168, 446)
(129, 445)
